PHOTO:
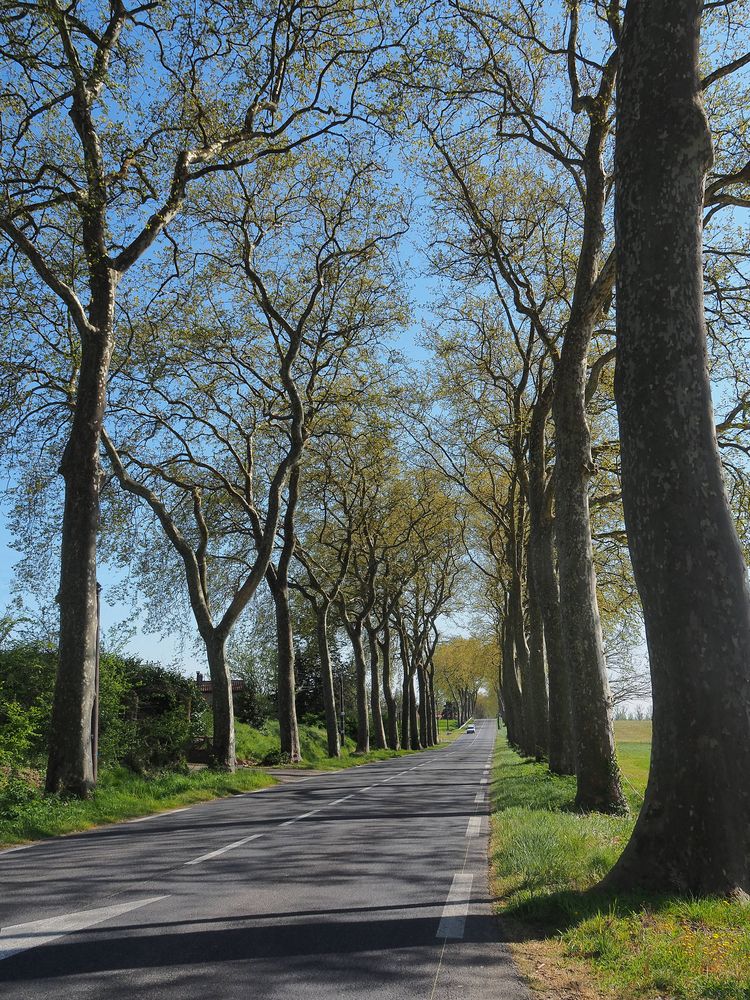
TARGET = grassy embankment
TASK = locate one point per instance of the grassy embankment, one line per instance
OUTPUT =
(254, 745)
(572, 942)
(26, 814)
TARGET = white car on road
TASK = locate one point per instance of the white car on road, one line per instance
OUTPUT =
(471, 728)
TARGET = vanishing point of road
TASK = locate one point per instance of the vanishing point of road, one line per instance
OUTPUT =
(362, 883)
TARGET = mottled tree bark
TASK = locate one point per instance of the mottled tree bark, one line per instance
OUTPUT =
(354, 631)
(329, 697)
(70, 764)
(598, 777)
(416, 744)
(562, 745)
(378, 730)
(511, 690)
(391, 722)
(223, 744)
(524, 690)
(406, 693)
(693, 832)
(543, 580)
(287, 709)
(424, 706)
(434, 730)
(537, 679)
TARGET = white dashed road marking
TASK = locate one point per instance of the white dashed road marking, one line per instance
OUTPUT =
(223, 850)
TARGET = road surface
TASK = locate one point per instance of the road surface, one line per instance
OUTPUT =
(363, 883)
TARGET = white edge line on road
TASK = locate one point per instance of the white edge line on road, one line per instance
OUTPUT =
(472, 830)
(484, 781)
(223, 850)
(21, 937)
(453, 921)
(169, 812)
(480, 797)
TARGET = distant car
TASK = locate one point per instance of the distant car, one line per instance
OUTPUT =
(471, 728)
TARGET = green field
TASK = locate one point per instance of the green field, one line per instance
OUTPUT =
(545, 859)
(634, 751)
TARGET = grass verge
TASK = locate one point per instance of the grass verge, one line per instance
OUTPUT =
(26, 814)
(255, 745)
(448, 735)
(568, 940)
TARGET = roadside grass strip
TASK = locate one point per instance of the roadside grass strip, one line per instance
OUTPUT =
(545, 858)
(120, 795)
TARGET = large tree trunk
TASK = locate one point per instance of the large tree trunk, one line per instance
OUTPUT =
(354, 631)
(326, 670)
(405, 710)
(222, 705)
(406, 689)
(434, 725)
(413, 714)
(423, 706)
(543, 580)
(562, 745)
(510, 689)
(537, 677)
(598, 776)
(287, 707)
(378, 730)
(693, 833)
(391, 723)
(521, 666)
(70, 764)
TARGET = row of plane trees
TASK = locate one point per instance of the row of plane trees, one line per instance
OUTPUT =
(200, 273)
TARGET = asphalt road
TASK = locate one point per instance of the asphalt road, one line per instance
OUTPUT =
(369, 882)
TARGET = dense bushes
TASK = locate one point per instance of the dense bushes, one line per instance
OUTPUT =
(148, 714)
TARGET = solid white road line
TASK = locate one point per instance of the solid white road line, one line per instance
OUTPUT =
(223, 850)
(472, 830)
(480, 796)
(453, 920)
(21, 937)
